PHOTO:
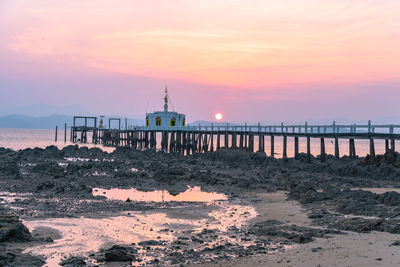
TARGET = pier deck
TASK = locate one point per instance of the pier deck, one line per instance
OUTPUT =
(196, 139)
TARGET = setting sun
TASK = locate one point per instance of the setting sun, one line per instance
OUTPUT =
(218, 116)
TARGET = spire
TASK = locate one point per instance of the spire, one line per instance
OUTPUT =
(166, 100)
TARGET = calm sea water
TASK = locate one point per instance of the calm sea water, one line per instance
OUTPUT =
(17, 139)
(30, 138)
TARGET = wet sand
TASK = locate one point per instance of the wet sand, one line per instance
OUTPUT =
(350, 249)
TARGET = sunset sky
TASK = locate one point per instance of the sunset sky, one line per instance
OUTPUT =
(289, 60)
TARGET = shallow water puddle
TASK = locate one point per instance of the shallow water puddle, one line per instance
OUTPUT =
(193, 194)
(7, 198)
(76, 159)
(82, 236)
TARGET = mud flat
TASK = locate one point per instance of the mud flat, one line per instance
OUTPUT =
(345, 249)
(79, 206)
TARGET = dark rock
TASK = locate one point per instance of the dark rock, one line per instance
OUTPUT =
(73, 262)
(12, 229)
(120, 253)
(396, 243)
(316, 249)
(389, 198)
(9, 167)
(150, 243)
(292, 233)
(16, 259)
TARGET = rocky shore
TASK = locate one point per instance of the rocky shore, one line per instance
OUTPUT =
(52, 183)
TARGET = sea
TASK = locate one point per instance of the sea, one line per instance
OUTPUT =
(17, 139)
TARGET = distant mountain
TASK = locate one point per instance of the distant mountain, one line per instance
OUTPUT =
(50, 122)
(41, 110)
(29, 122)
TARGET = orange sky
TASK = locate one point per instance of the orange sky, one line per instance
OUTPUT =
(260, 45)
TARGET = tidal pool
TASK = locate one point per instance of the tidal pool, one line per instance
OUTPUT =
(200, 213)
(193, 194)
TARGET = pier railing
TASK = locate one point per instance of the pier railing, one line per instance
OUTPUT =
(283, 129)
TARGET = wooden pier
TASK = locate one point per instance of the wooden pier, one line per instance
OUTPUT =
(197, 139)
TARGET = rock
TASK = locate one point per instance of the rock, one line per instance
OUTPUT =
(357, 225)
(316, 249)
(396, 243)
(389, 198)
(9, 167)
(292, 233)
(306, 193)
(12, 229)
(120, 253)
(16, 259)
(150, 243)
(73, 262)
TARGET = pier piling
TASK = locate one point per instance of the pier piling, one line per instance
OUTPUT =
(296, 147)
(323, 155)
(284, 155)
(371, 147)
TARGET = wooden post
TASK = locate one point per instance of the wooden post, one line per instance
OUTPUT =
(308, 148)
(164, 143)
(393, 145)
(387, 145)
(199, 142)
(296, 147)
(205, 142)
(241, 140)
(233, 139)
(146, 140)
(352, 148)
(245, 137)
(141, 139)
(135, 140)
(371, 147)
(188, 143)
(194, 143)
(218, 141)
(55, 137)
(323, 155)
(178, 141)
(251, 142)
(226, 139)
(94, 136)
(284, 154)
(152, 137)
(172, 142)
(261, 145)
(272, 146)
(65, 132)
(212, 141)
(337, 152)
(184, 143)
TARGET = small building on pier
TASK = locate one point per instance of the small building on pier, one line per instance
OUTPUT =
(159, 120)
